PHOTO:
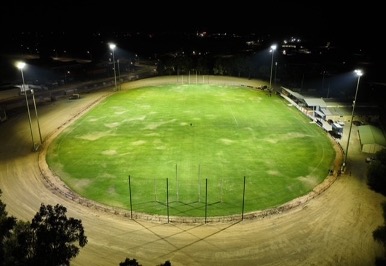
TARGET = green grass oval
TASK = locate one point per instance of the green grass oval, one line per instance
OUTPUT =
(202, 150)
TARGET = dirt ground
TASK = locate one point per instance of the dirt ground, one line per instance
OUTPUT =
(333, 228)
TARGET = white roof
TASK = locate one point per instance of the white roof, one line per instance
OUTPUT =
(294, 93)
(315, 102)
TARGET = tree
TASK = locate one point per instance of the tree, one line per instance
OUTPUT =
(376, 179)
(376, 173)
(379, 235)
(134, 262)
(166, 263)
(17, 249)
(6, 225)
(46, 241)
(53, 235)
(129, 262)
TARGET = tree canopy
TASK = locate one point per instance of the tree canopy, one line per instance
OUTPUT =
(376, 173)
(50, 239)
(376, 180)
(7, 223)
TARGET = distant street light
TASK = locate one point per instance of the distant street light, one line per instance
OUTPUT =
(21, 65)
(112, 48)
(359, 73)
(66, 74)
(273, 48)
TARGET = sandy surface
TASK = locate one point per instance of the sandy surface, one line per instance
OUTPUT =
(333, 228)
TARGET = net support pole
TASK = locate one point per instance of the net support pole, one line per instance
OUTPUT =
(206, 198)
(155, 190)
(131, 204)
(242, 211)
(199, 185)
(167, 198)
(177, 182)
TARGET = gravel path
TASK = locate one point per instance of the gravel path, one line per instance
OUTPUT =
(333, 228)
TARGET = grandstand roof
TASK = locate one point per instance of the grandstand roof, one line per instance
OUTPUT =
(315, 102)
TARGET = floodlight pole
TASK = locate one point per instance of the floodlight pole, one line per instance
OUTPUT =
(119, 75)
(359, 73)
(112, 47)
(273, 48)
(36, 114)
(21, 65)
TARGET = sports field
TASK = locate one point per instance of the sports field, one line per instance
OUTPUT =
(192, 150)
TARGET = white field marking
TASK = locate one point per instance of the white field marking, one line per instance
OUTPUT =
(95, 135)
(112, 125)
(309, 181)
(81, 184)
(140, 118)
(234, 118)
(155, 125)
(109, 152)
(227, 141)
(274, 172)
(138, 142)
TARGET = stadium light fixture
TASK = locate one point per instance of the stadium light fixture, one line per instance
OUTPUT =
(20, 66)
(112, 47)
(359, 73)
(272, 50)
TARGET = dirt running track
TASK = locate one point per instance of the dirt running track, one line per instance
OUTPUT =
(334, 228)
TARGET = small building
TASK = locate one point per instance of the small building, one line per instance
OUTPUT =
(372, 139)
(333, 109)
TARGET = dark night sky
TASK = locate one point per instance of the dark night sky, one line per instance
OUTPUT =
(323, 18)
(359, 25)
(354, 24)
